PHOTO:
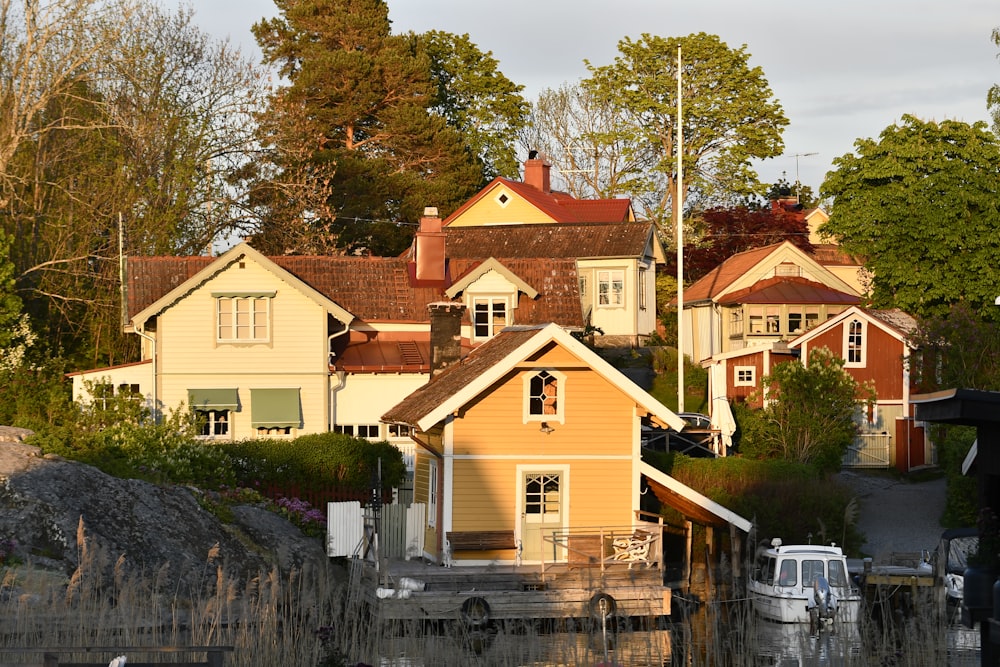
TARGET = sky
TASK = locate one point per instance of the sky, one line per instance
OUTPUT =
(842, 70)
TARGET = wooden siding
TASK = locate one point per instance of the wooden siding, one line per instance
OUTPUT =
(488, 211)
(421, 495)
(295, 355)
(883, 358)
(742, 394)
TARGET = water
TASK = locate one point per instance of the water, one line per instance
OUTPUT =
(708, 637)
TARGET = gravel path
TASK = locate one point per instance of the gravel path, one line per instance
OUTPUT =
(896, 515)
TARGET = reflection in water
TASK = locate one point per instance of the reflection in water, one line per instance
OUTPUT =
(712, 636)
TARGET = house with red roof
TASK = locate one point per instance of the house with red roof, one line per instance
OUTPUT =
(875, 347)
(616, 256)
(760, 296)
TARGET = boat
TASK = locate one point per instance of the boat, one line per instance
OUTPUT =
(803, 583)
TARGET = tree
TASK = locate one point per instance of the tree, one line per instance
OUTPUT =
(729, 113)
(727, 231)
(810, 414)
(576, 132)
(355, 115)
(477, 100)
(920, 205)
(958, 349)
(145, 141)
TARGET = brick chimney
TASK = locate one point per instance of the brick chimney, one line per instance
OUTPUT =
(536, 174)
(428, 248)
(446, 334)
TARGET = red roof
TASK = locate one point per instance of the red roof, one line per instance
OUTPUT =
(559, 206)
(718, 279)
(788, 289)
(378, 289)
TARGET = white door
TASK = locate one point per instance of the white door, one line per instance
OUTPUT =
(543, 496)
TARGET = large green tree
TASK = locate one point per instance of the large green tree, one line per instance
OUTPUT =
(920, 204)
(730, 117)
(353, 145)
(477, 99)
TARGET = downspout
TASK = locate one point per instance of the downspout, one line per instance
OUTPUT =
(152, 342)
(340, 375)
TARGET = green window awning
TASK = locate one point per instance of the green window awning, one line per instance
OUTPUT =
(275, 407)
(213, 399)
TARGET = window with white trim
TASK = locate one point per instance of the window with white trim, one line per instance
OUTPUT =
(369, 431)
(744, 376)
(213, 423)
(642, 290)
(490, 314)
(854, 342)
(611, 288)
(432, 493)
(544, 396)
(243, 318)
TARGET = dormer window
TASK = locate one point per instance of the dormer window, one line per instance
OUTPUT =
(544, 396)
(489, 316)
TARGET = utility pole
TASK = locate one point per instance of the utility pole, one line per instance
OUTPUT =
(680, 241)
(797, 184)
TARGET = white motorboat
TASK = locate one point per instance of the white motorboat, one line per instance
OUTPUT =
(803, 583)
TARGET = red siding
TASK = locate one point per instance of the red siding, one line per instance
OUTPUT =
(883, 359)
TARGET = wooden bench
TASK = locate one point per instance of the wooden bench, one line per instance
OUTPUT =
(481, 540)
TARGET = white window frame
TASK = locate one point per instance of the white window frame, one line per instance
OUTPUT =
(432, 493)
(856, 357)
(492, 327)
(744, 381)
(559, 416)
(606, 280)
(227, 313)
(211, 416)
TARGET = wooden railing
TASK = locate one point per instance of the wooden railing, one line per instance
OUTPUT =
(53, 656)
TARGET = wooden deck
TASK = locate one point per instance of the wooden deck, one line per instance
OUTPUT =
(476, 595)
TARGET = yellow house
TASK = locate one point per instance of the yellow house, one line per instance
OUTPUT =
(528, 439)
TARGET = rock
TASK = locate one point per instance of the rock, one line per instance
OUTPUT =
(47, 506)
(14, 434)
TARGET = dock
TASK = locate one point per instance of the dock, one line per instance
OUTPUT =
(901, 585)
(477, 595)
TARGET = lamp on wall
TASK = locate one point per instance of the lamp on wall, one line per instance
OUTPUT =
(546, 428)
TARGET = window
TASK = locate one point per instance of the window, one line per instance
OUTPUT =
(795, 320)
(611, 288)
(854, 343)
(541, 496)
(243, 318)
(213, 423)
(773, 320)
(788, 576)
(744, 376)
(399, 431)
(275, 412)
(811, 571)
(544, 399)
(489, 316)
(583, 287)
(812, 317)
(736, 322)
(503, 199)
(642, 290)
(432, 493)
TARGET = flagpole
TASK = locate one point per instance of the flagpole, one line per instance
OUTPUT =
(679, 223)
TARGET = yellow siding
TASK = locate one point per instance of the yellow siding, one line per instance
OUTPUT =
(488, 211)
(295, 356)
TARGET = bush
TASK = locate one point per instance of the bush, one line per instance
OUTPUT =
(783, 498)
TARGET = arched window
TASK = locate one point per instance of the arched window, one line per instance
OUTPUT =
(855, 349)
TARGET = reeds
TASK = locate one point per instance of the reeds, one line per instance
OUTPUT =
(317, 618)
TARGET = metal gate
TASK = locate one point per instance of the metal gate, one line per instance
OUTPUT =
(869, 450)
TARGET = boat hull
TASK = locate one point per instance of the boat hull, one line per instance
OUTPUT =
(793, 608)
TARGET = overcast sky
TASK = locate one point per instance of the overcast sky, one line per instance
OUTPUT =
(842, 70)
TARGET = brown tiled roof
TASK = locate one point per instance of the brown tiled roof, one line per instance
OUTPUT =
(378, 288)
(577, 240)
(724, 275)
(831, 254)
(903, 323)
(455, 378)
(559, 206)
(788, 289)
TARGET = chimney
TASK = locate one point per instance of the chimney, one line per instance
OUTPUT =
(428, 248)
(536, 174)
(446, 334)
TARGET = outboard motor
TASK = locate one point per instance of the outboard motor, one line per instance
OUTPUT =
(823, 599)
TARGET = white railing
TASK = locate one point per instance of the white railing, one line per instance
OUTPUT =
(409, 450)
